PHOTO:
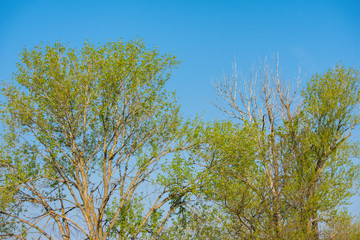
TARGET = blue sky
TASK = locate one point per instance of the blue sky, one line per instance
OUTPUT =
(205, 35)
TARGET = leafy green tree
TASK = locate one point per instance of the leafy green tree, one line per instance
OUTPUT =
(342, 226)
(286, 164)
(321, 149)
(86, 135)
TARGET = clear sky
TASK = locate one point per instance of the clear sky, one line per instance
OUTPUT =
(205, 35)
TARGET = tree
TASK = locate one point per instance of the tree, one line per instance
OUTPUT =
(87, 133)
(286, 165)
(324, 170)
(342, 227)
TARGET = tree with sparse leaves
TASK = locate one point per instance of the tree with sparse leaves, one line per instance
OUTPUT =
(283, 165)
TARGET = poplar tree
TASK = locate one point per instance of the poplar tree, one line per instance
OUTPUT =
(86, 135)
(283, 163)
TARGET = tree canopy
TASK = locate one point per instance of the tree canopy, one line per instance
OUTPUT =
(95, 147)
(86, 134)
(282, 166)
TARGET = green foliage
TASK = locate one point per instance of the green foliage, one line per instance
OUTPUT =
(86, 129)
(94, 147)
(341, 226)
(130, 217)
(284, 178)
